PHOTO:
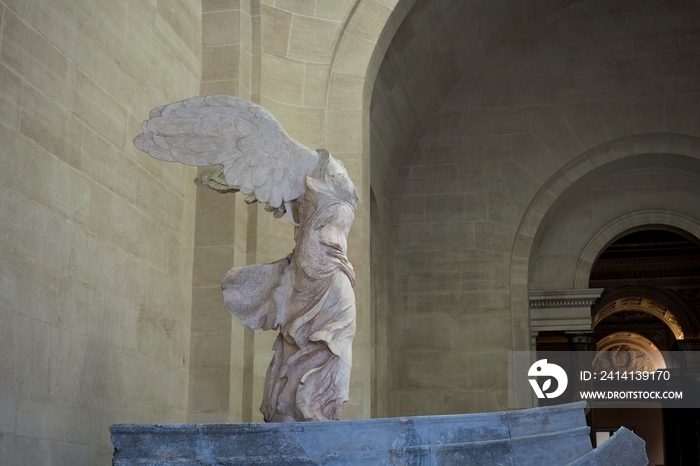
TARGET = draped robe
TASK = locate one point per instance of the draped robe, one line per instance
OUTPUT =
(308, 296)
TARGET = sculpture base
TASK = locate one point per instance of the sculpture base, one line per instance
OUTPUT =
(552, 436)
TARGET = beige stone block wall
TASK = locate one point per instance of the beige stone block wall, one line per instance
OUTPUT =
(228, 47)
(216, 340)
(216, 233)
(298, 40)
(96, 237)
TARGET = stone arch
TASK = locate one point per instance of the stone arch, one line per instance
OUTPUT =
(553, 189)
(658, 302)
(353, 70)
(647, 306)
(635, 340)
(587, 162)
(626, 224)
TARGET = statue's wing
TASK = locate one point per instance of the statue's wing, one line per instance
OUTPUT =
(258, 156)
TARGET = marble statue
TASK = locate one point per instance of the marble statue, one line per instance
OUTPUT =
(308, 295)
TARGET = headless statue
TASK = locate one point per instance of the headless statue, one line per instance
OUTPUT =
(308, 295)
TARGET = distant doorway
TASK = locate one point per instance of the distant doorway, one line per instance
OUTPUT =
(649, 277)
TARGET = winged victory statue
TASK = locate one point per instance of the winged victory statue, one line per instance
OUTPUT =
(307, 295)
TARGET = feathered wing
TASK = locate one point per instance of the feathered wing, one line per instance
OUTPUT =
(258, 156)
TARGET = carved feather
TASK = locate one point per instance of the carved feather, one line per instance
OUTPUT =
(258, 157)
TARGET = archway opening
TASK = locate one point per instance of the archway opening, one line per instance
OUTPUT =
(645, 274)
(649, 256)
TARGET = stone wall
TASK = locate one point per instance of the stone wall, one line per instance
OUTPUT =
(537, 91)
(219, 386)
(96, 236)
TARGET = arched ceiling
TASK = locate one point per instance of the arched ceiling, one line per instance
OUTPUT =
(443, 49)
(439, 42)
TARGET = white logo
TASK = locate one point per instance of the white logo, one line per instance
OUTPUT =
(542, 369)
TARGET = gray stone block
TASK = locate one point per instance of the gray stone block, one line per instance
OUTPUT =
(622, 449)
(556, 436)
